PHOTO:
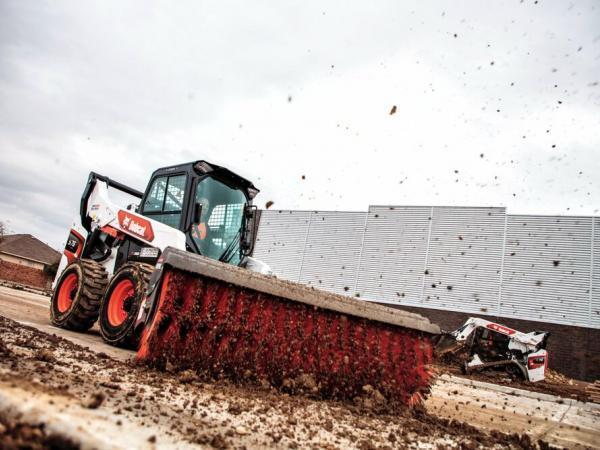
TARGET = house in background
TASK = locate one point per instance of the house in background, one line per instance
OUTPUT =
(25, 259)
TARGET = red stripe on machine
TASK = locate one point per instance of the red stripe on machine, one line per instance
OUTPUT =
(501, 329)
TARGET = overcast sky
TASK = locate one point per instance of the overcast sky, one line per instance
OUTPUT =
(497, 102)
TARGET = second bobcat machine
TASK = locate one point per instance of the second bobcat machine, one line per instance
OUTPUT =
(488, 345)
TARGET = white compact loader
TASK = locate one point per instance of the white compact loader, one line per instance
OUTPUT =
(491, 345)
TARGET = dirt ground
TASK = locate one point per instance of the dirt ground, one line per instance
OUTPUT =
(187, 408)
(54, 389)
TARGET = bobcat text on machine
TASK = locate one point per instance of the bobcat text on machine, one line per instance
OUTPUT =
(173, 278)
(490, 344)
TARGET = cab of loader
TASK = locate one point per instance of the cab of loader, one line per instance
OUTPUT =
(210, 204)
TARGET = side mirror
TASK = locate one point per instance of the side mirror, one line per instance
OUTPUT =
(247, 238)
(197, 213)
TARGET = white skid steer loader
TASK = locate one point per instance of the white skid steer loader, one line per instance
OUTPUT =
(492, 345)
(112, 250)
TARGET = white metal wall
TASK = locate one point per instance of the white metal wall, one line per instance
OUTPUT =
(547, 269)
(464, 259)
(332, 250)
(393, 254)
(473, 260)
(281, 240)
(595, 278)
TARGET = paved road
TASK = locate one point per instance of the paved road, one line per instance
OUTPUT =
(33, 310)
(565, 423)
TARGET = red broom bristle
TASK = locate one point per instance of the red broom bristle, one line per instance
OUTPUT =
(230, 330)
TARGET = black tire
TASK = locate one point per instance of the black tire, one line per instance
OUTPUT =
(118, 312)
(75, 303)
(517, 371)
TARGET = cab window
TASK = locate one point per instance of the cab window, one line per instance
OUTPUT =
(165, 200)
(218, 232)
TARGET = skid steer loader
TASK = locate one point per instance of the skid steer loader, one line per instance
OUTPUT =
(490, 345)
(173, 277)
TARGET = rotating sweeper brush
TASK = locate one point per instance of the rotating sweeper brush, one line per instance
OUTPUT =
(172, 274)
(203, 314)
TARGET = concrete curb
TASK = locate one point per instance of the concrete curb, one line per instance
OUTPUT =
(520, 392)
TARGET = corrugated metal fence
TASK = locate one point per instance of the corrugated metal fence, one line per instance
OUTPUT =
(473, 260)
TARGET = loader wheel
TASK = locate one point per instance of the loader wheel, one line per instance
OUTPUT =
(517, 371)
(121, 304)
(76, 300)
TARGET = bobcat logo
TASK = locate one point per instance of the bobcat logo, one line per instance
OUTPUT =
(136, 225)
(501, 329)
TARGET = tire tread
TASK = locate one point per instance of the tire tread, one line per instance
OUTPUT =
(86, 308)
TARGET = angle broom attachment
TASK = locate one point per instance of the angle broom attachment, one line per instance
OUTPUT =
(231, 322)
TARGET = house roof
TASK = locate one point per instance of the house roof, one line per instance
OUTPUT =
(28, 247)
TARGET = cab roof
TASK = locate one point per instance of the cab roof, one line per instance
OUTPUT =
(202, 167)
